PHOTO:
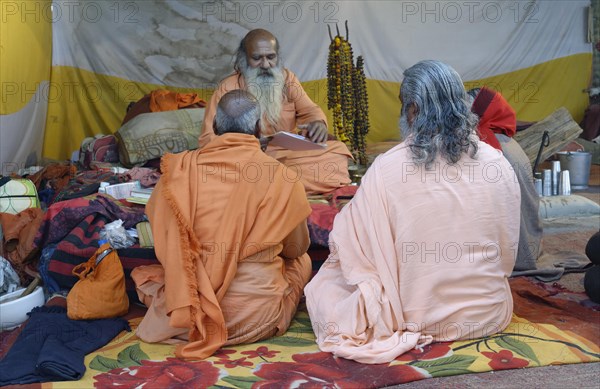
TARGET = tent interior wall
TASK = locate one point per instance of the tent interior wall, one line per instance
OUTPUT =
(69, 68)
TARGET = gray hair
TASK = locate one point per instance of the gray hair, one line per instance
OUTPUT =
(237, 111)
(444, 124)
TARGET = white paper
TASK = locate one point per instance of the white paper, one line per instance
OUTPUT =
(294, 142)
(122, 191)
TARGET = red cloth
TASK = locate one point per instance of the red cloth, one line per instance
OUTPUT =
(495, 116)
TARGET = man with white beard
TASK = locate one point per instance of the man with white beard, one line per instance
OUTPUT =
(286, 107)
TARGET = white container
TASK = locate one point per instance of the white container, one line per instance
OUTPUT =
(555, 177)
(13, 310)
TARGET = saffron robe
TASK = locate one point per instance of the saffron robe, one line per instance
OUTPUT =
(418, 256)
(320, 171)
(230, 233)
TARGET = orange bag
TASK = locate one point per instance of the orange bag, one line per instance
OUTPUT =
(100, 292)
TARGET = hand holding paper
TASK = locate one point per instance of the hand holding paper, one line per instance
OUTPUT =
(316, 131)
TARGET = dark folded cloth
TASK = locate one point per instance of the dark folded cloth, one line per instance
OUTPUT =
(52, 347)
(523, 125)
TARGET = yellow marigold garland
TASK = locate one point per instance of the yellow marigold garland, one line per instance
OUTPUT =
(347, 96)
(361, 118)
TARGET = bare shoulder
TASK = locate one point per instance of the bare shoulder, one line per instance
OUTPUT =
(289, 75)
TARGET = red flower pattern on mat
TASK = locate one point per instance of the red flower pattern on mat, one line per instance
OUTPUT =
(231, 363)
(262, 351)
(504, 360)
(323, 370)
(223, 353)
(427, 353)
(170, 373)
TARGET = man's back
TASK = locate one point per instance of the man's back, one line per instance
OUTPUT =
(225, 220)
(418, 256)
(232, 175)
(239, 179)
(458, 248)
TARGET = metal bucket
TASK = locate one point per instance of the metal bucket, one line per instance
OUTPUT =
(578, 163)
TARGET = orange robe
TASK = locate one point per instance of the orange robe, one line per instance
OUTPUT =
(230, 233)
(19, 232)
(320, 171)
(418, 256)
(164, 100)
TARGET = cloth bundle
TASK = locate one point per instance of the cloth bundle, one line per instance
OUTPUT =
(52, 347)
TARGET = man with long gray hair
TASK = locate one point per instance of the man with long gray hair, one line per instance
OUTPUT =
(286, 107)
(424, 250)
(231, 236)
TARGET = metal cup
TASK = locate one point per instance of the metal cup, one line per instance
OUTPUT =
(547, 183)
(565, 183)
(555, 177)
(538, 186)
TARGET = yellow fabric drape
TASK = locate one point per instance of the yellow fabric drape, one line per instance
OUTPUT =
(25, 51)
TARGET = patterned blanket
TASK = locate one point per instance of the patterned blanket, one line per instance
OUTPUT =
(69, 236)
(550, 326)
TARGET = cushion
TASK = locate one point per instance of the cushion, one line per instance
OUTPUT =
(567, 206)
(18, 194)
(151, 135)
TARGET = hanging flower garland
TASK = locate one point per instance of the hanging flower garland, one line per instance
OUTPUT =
(339, 88)
(361, 118)
(347, 95)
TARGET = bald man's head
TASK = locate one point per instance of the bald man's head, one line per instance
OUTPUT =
(258, 34)
(258, 49)
(238, 111)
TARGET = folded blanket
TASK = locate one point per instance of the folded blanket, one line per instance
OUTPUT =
(52, 347)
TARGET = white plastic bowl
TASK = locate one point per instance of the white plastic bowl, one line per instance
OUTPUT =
(13, 310)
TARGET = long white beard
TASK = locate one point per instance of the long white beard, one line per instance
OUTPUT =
(268, 86)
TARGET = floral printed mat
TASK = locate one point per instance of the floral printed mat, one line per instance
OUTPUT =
(293, 360)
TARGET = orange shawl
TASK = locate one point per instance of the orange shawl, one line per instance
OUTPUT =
(495, 116)
(260, 212)
(164, 100)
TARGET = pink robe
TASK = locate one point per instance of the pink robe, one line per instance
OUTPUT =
(418, 256)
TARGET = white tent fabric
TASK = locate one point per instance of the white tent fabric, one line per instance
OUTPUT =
(106, 54)
(191, 43)
(22, 134)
